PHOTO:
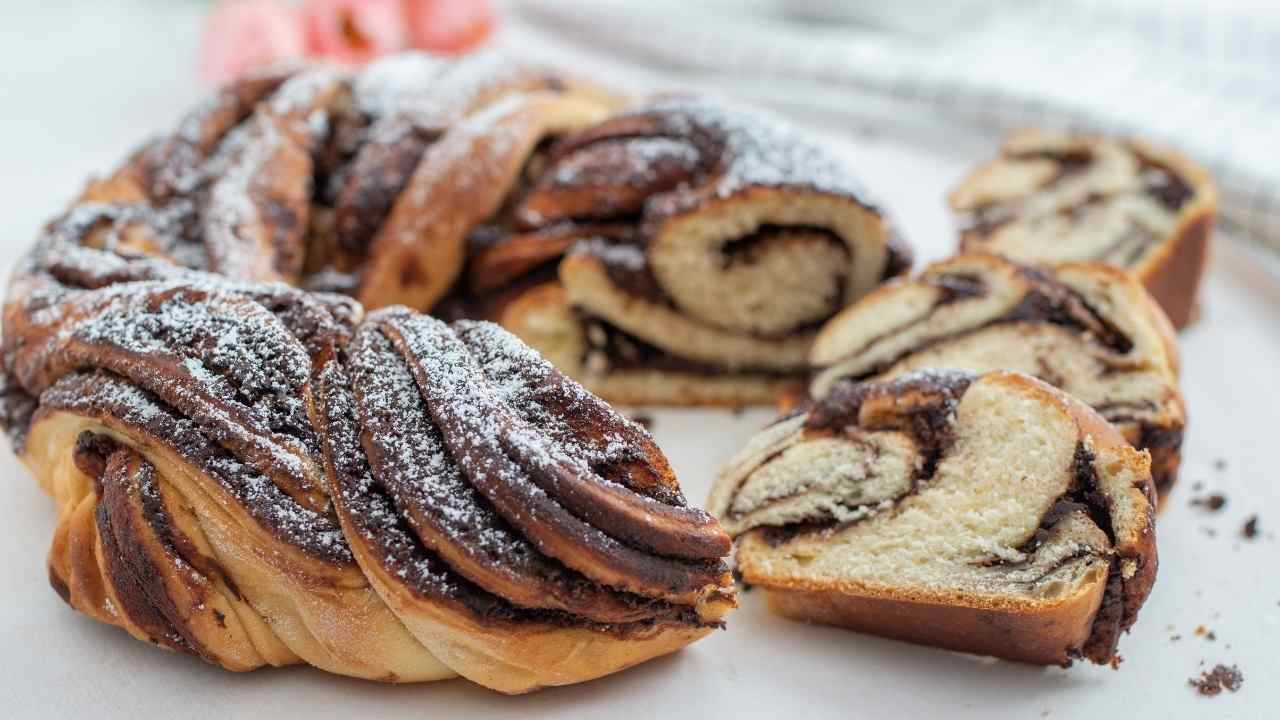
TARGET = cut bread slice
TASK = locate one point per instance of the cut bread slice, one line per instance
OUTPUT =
(1054, 197)
(718, 242)
(1086, 328)
(990, 514)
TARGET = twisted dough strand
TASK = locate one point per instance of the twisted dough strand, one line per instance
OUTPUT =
(255, 474)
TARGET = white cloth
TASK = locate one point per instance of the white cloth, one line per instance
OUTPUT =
(1198, 75)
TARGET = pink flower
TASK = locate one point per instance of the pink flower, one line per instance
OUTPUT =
(449, 26)
(354, 32)
(241, 35)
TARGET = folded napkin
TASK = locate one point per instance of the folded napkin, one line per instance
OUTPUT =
(1194, 74)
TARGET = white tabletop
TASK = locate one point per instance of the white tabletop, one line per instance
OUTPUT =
(82, 83)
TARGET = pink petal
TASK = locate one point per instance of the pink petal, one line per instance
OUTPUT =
(450, 26)
(354, 31)
(241, 35)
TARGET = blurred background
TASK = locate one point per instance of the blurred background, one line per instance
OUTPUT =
(86, 81)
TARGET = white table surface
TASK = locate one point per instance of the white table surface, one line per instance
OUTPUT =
(82, 83)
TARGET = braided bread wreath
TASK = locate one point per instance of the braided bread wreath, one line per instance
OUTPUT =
(260, 456)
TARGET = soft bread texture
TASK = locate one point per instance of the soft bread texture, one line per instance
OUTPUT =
(545, 318)
(722, 241)
(1087, 328)
(1054, 197)
(990, 514)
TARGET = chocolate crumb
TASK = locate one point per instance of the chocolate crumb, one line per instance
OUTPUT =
(645, 421)
(737, 410)
(1219, 464)
(1213, 682)
(1250, 529)
(1212, 503)
(1197, 486)
(1175, 638)
(1209, 531)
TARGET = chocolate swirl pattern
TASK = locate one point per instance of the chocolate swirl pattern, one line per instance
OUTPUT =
(233, 485)
(333, 182)
(257, 476)
(1053, 197)
(1086, 328)
(990, 514)
(705, 247)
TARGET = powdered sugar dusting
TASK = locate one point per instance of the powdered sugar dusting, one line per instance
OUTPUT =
(217, 356)
(758, 149)
(641, 161)
(99, 393)
(397, 83)
(627, 256)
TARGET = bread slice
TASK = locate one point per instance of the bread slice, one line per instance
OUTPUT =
(718, 241)
(990, 514)
(1054, 197)
(544, 317)
(1086, 328)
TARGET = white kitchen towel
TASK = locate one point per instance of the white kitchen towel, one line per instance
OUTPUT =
(1199, 75)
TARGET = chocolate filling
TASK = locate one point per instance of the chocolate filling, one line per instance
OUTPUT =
(1165, 185)
(1158, 180)
(746, 250)
(100, 395)
(611, 349)
(401, 554)
(1046, 302)
(921, 405)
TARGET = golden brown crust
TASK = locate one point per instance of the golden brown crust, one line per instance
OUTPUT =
(419, 252)
(1040, 637)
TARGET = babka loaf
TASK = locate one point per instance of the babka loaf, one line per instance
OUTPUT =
(989, 514)
(1086, 328)
(1055, 197)
(255, 475)
(721, 241)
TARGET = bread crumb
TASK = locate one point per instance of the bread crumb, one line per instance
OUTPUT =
(1213, 682)
(1212, 503)
(1250, 529)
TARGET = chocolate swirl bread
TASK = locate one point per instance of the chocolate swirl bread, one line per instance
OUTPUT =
(1054, 197)
(365, 184)
(255, 475)
(705, 247)
(1086, 328)
(990, 514)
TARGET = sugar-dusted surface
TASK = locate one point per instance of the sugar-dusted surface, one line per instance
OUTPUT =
(758, 149)
(101, 394)
(59, 664)
(414, 468)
